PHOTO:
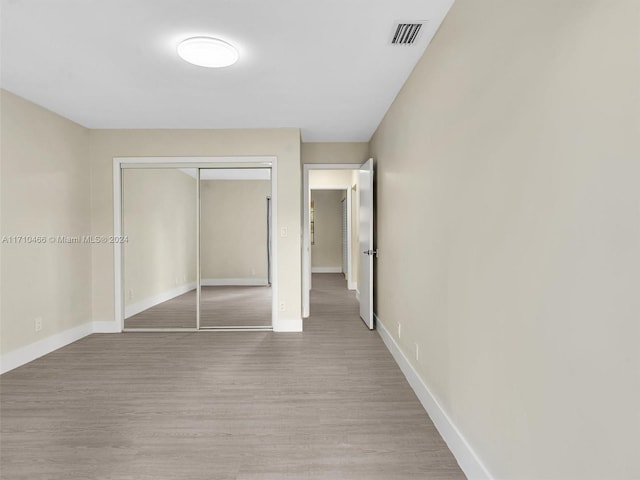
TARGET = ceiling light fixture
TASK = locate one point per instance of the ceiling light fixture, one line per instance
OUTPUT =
(207, 52)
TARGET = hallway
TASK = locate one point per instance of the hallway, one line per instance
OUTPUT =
(329, 403)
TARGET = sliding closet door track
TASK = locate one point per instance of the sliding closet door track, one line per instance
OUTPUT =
(238, 328)
(231, 328)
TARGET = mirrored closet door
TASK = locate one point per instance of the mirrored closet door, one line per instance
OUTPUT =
(159, 219)
(235, 248)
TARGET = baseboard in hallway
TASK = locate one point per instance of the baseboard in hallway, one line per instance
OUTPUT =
(466, 457)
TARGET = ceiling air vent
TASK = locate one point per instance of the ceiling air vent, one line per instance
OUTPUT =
(406, 33)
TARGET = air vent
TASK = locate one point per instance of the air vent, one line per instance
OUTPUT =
(406, 33)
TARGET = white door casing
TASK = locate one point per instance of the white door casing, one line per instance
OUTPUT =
(306, 240)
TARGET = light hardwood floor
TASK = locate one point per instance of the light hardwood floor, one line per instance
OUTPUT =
(329, 403)
(219, 307)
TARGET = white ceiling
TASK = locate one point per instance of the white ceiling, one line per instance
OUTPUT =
(326, 67)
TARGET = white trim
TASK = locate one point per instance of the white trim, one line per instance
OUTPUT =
(306, 243)
(118, 289)
(357, 294)
(240, 282)
(149, 302)
(120, 163)
(352, 285)
(198, 266)
(105, 327)
(274, 243)
(31, 352)
(468, 460)
(287, 325)
(331, 187)
(262, 173)
(216, 160)
(326, 269)
(238, 328)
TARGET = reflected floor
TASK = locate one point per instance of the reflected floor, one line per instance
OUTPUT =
(220, 307)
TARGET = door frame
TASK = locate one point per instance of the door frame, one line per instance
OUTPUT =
(306, 205)
(120, 163)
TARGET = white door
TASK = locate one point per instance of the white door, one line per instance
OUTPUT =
(345, 260)
(365, 274)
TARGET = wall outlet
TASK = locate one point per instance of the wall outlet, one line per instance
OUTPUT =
(130, 294)
(399, 330)
(282, 307)
(417, 352)
(284, 231)
(37, 324)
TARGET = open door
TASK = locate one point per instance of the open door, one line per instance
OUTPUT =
(367, 251)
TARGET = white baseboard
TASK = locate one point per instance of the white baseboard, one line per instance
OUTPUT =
(352, 285)
(149, 302)
(29, 353)
(468, 460)
(234, 282)
(35, 350)
(326, 269)
(287, 325)
(106, 327)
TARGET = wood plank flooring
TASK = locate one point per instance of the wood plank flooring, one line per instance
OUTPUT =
(328, 403)
(222, 306)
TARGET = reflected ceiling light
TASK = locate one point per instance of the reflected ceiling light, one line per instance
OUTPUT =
(207, 52)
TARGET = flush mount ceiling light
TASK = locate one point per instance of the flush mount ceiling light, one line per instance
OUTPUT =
(207, 52)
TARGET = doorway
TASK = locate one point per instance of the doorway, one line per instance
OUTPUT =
(330, 230)
(356, 260)
(199, 251)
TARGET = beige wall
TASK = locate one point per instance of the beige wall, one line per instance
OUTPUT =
(45, 192)
(233, 229)
(330, 178)
(508, 226)
(334, 152)
(326, 252)
(282, 143)
(159, 217)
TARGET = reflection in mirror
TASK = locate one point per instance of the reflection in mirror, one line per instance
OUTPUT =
(235, 254)
(159, 218)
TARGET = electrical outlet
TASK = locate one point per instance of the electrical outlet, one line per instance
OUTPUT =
(37, 324)
(399, 330)
(417, 352)
(130, 294)
(282, 307)
(284, 231)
